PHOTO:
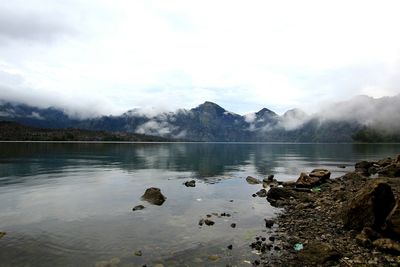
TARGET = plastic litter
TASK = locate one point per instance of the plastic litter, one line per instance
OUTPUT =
(316, 189)
(298, 247)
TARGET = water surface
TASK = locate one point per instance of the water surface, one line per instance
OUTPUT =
(71, 204)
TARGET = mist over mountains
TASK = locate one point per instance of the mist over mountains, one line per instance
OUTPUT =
(339, 122)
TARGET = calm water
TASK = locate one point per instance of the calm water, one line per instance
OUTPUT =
(71, 204)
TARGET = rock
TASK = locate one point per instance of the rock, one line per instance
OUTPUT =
(233, 225)
(191, 183)
(213, 257)
(230, 247)
(317, 253)
(392, 170)
(387, 245)
(353, 176)
(138, 207)
(269, 223)
(201, 222)
(322, 174)
(363, 166)
(2, 234)
(209, 222)
(369, 207)
(307, 181)
(342, 166)
(398, 159)
(262, 193)
(269, 179)
(138, 253)
(393, 221)
(276, 193)
(384, 162)
(154, 196)
(363, 240)
(252, 180)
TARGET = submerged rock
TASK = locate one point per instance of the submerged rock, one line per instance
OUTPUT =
(191, 183)
(138, 207)
(2, 234)
(209, 222)
(262, 193)
(154, 196)
(269, 223)
(369, 207)
(252, 180)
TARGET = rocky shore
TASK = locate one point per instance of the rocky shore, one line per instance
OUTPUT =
(353, 220)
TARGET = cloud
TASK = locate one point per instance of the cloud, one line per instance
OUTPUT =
(113, 56)
(25, 22)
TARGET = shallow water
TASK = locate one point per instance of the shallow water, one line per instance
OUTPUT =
(71, 204)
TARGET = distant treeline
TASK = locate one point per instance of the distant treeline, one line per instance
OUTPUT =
(370, 135)
(11, 131)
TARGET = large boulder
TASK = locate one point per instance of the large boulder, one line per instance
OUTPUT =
(154, 196)
(370, 206)
(307, 181)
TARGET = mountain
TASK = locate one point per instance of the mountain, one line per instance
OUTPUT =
(210, 122)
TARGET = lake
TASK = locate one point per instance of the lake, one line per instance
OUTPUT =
(70, 204)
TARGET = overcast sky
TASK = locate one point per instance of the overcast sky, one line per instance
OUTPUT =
(110, 56)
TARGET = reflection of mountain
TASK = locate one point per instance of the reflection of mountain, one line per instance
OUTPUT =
(20, 160)
(210, 122)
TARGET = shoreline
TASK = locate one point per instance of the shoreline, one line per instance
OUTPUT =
(313, 227)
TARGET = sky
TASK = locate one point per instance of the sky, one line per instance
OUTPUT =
(105, 57)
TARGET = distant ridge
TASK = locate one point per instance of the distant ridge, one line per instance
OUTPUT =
(210, 122)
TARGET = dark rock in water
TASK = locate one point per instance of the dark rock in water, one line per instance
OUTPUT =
(230, 247)
(154, 196)
(191, 183)
(393, 221)
(201, 222)
(254, 195)
(362, 167)
(252, 180)
(209, 222)
(342, 166)
(269, 179)
(262, 193)
(276, 193)
(307, 181)
(318, 253)
(269, 223)
(398, 159)
(387, 245)
(369, 207)
(392, 170)
(138, 253)
(2, 234)
(138, 207)
(322, 174)
(233, 225)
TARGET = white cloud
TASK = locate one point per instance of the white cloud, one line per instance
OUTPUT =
(170, 54)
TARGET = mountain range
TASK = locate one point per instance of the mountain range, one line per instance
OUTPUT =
(342, 122)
